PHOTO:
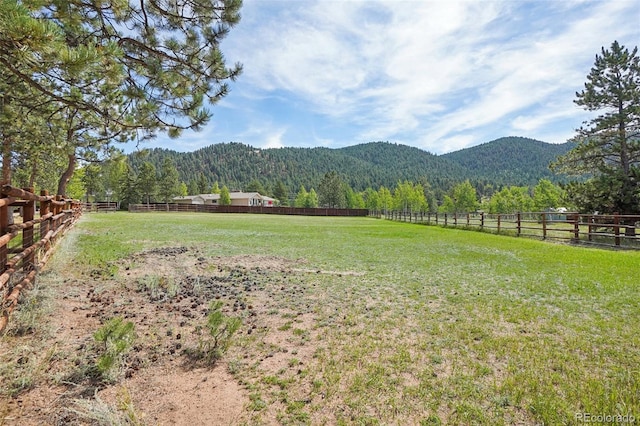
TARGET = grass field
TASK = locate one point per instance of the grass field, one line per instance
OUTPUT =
(381, 322)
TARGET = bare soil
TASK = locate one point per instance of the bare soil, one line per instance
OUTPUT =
(166, 293)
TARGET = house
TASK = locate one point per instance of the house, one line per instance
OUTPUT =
(237, 199)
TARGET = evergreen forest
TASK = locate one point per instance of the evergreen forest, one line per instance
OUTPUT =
(509, 161)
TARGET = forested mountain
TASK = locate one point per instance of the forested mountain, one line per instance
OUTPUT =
(514, 160)
(506, 161)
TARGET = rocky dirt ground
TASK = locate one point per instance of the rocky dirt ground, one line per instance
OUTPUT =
(166, 293)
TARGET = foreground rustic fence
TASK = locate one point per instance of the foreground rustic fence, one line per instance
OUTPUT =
(606, 230)
(26, 240)
(207, 208)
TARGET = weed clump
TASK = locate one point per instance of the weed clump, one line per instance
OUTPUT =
(115, 338)
(218, 331)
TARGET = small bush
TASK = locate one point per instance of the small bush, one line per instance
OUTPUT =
(116, 337)
(219, 330)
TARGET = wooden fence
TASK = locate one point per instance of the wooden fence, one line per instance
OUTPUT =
(26, 240)
(207, 208)
(620, 231)
(101, 206)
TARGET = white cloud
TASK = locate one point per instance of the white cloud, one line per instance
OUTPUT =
(274, 140)
(263, 134)
(440, 75)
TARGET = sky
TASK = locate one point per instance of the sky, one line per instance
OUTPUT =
(437, 75)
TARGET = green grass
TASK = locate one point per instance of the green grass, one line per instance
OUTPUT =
(418, 324)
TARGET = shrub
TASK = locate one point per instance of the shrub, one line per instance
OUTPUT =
(219, 330)
(116, 337)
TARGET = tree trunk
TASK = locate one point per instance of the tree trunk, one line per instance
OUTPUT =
(624, 149)
(66, 176)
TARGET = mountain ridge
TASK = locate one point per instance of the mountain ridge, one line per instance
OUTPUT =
(502, 162)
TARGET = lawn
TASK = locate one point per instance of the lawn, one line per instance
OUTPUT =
(379, 322)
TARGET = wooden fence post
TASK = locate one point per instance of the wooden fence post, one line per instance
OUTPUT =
(544, 226)
(28, 214)
(519, 223)
(576, 227)
(499, 216)
(616, 229)
(482, 221)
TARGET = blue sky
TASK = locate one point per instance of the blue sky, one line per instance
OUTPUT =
(437, 75)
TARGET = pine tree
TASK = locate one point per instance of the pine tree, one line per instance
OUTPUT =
(147, 181)
(281, 194)
(96, 83)
(608, 146)
(192, 187)
(92, 180)
(330, 191)
(169, 181)
(255, 186)
(129, 191)
(203, 184)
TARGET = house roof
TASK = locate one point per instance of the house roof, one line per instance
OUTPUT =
(233, 195)
(241, 195)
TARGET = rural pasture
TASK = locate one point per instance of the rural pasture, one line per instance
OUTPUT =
(344, 321)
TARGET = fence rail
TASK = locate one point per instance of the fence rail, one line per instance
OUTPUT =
(101, 206)
(207, 208)
(26, 240)
(620, 231)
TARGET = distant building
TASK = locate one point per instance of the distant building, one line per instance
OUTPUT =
(237, 199)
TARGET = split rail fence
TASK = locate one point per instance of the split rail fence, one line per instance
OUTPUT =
(620, 231)
(26, 240)
(101, 206)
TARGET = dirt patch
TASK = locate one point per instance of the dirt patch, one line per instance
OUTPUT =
(166, 293)
(171, 395)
